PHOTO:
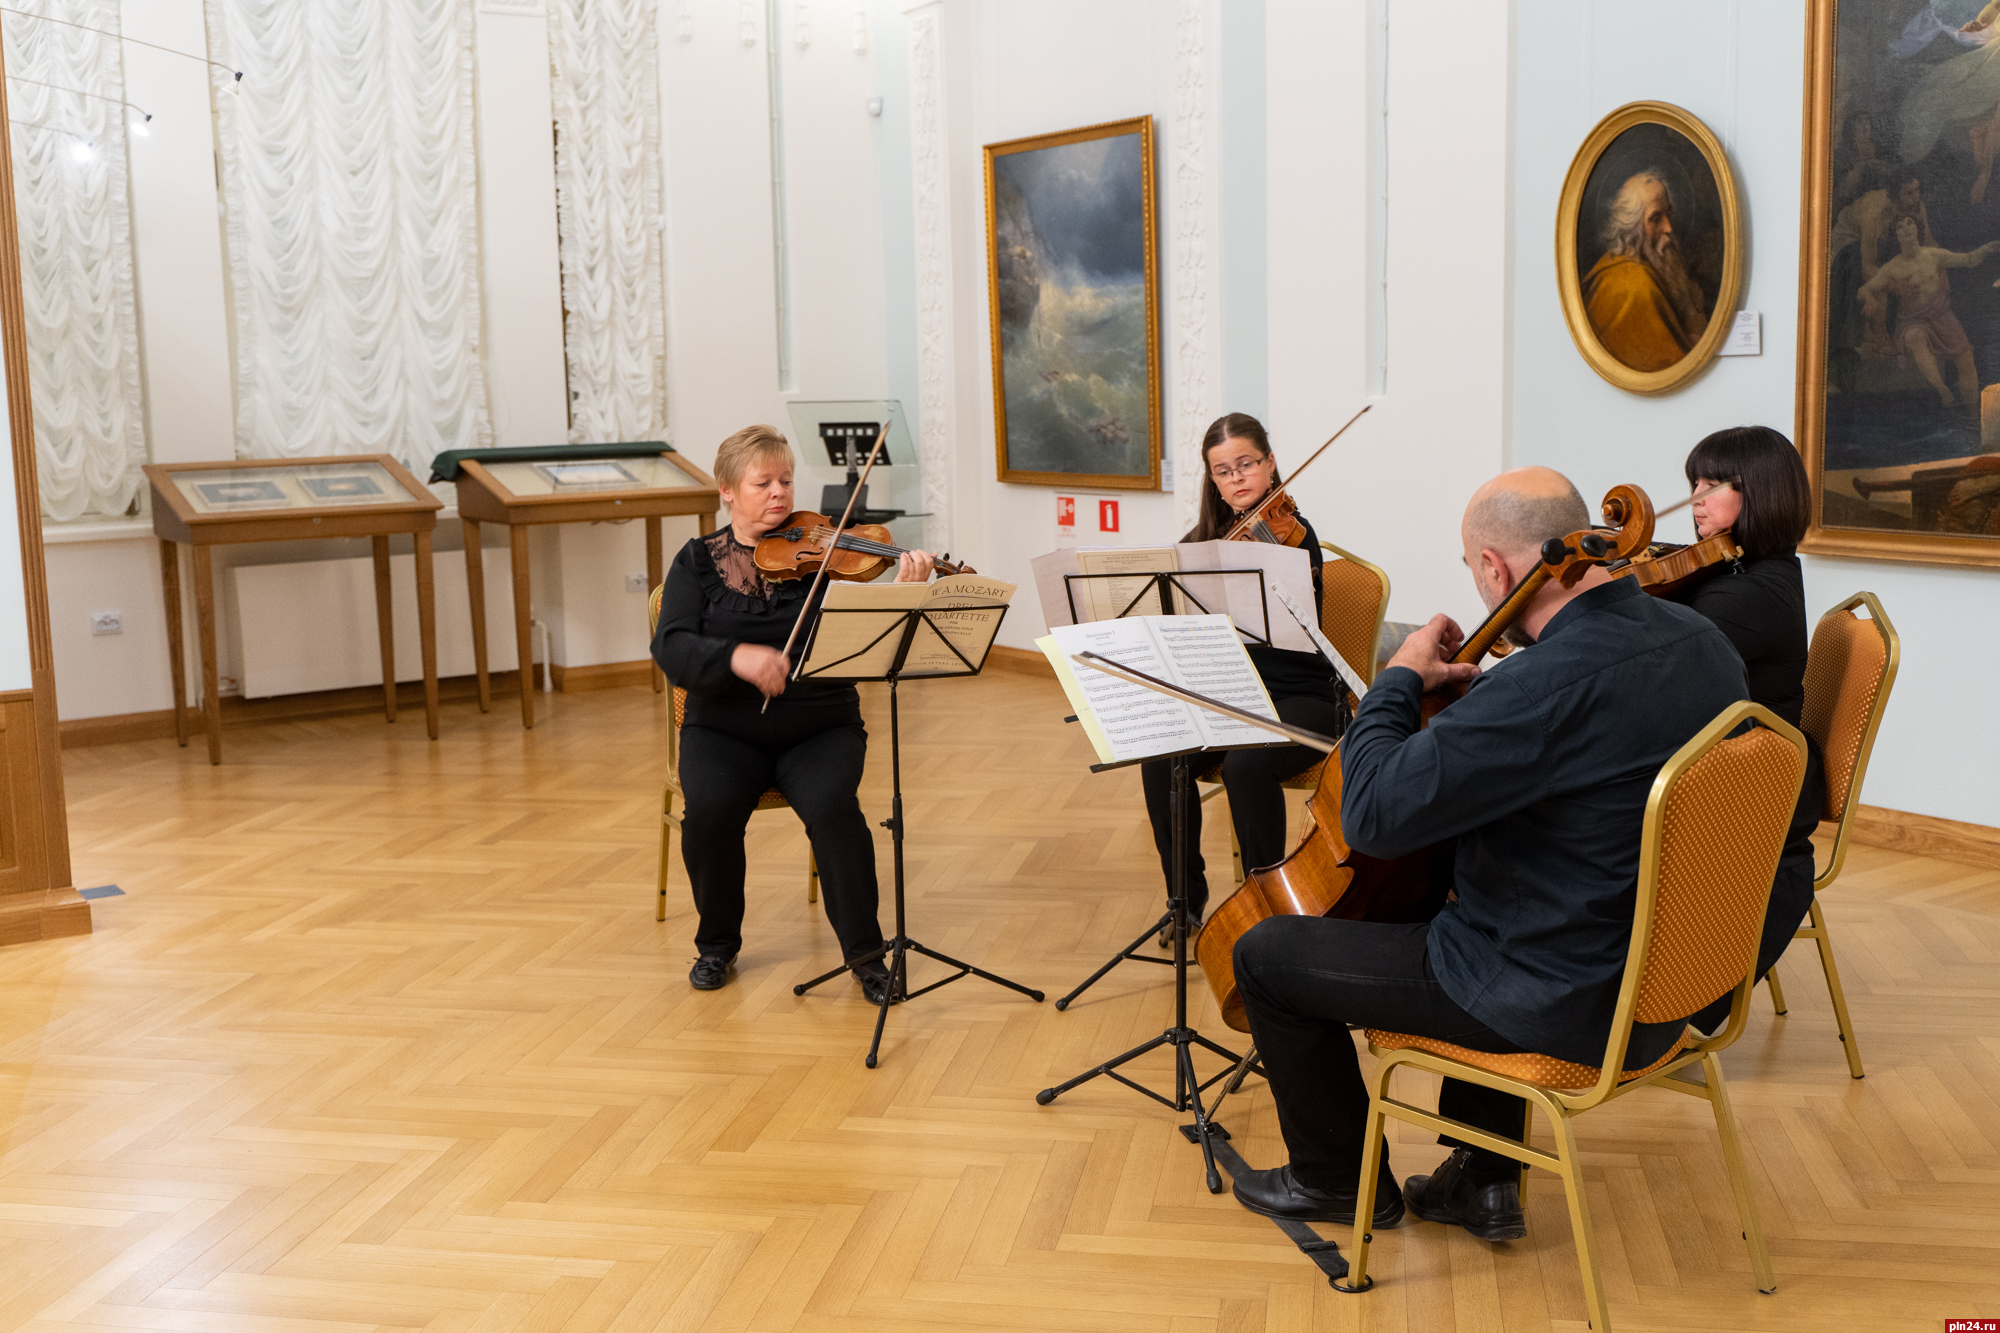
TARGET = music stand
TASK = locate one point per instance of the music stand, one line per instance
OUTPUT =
(902, 629)
(1188, 1087)
(1164, 582)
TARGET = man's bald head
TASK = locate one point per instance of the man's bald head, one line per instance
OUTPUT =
(1517, 511)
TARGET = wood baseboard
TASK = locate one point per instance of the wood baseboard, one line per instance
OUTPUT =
(603, 676)
(1027, 661)
(1924, 835)
(51, 914)
(283, 708)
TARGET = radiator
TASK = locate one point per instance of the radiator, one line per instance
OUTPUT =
(311, 626)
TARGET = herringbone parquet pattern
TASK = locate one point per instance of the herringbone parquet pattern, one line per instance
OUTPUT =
(384, 1037)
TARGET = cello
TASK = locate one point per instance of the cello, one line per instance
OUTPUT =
(1324, 876)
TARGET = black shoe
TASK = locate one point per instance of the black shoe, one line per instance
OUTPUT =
(711, 972)
(874, 979)
(1490, 1212)
(1275, 1194)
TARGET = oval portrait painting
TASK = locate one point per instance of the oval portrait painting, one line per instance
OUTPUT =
(1648, 256)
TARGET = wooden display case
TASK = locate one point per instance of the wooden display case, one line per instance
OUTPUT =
(204, 505)
(522, 493)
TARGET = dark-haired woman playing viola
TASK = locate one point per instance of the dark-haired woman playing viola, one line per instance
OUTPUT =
(1749, 482)
(1238, 472)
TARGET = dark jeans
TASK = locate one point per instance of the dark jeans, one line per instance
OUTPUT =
(1304, 979)
(1253, 779)
(813, 753)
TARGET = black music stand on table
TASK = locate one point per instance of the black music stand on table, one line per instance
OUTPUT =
(898, 636)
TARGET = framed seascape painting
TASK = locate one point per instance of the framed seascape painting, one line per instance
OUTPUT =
(1649, 258)
(1072, 265)
(1899, 289)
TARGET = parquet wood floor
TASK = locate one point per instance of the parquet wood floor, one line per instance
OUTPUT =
(384, 1037)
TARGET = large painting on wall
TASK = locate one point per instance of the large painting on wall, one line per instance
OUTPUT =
(1648, 256)
(1071, 268)
(1899, 309)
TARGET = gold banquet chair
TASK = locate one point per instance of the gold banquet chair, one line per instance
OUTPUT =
(1849, 671)
(1715, 824)
(669, 821)
(1353, 602)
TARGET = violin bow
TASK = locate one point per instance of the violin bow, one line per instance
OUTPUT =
(1243, 524)
(832, 546)
(1679, 505)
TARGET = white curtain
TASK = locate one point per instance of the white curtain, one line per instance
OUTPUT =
(608, 209)
(75, 217)
(351, 195)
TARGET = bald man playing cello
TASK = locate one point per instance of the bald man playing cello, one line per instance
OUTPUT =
(1541, 772)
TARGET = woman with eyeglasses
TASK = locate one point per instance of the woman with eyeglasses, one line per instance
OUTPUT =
(1749, 482)
(1238, 472)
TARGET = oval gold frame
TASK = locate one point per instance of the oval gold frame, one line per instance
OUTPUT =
(1569, 282)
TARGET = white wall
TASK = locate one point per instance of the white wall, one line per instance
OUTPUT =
(1737, 65)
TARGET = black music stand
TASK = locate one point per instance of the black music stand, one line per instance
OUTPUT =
(902, 628)
(1165, 582)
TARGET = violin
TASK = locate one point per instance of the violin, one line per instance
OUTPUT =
(1665, 568)
(1324, 876)
(1275, 518)
(799, 546)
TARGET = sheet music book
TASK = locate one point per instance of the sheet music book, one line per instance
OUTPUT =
(1286, 567)
(1125, 721)
(963, 612)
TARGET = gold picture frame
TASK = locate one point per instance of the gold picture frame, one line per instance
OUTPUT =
(1691, 166)
(1073, 296)
(1877, 447)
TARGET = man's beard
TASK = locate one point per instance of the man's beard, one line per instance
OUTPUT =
(1516, 633)
(1664, 258)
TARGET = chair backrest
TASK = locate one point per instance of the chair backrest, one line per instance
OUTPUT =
(1849, 671)
(1354, 599)
(1716, 822)
(677, 695)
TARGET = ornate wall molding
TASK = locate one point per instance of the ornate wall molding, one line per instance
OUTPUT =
(1195, 387)
(929, 167)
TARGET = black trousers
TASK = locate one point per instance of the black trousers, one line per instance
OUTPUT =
(811, 752)
(1304, 979)
(1253, 779)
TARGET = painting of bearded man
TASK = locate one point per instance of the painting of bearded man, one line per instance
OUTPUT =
(1644, 306)
(1649, 216)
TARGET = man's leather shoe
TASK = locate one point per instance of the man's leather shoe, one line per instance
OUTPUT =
(711, 972)
(1490, 1212)
(874, 979)
(1275, 1194)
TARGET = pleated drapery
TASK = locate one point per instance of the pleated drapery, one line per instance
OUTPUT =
(605, 57)
(351, 199)
(74, 209)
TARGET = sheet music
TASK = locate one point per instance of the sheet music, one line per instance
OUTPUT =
(1236, 596)
(1126, 721)
(1102, 599)
(863, 640)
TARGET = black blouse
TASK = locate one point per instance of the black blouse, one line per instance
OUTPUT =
(715, 599)
(1760, 605)
(1288, 674)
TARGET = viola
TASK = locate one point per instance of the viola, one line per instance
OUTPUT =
(1324, 876)
(799, 546)
(1665, 568)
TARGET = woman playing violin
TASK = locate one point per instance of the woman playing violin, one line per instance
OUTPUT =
(722, 630)
(1238, 472)
(1748, 481)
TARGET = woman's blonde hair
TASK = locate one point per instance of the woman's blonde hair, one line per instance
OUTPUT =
(750, 445)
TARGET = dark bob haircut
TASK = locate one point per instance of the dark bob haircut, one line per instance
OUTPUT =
(1767, 473)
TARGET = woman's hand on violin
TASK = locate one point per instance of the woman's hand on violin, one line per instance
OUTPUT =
(766, 668)
(915, 567)
(1428, 653)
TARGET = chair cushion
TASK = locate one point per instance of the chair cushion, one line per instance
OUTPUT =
(1545, 1070)
(771, 800)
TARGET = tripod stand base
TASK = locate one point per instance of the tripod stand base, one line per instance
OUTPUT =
(1187, 1088)
(897, 950)
(1121, 956)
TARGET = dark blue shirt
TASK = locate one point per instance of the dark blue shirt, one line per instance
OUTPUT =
(1542, 772)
